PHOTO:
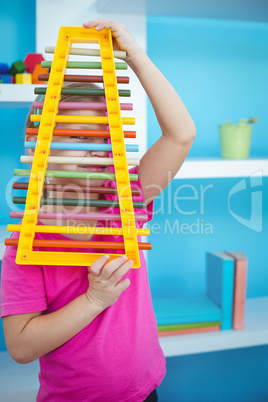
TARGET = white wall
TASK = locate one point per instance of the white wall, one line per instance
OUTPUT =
(51, 15)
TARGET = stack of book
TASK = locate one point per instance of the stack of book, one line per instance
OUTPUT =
(221, 308)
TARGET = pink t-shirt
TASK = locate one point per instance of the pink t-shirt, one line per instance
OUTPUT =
(117, 357)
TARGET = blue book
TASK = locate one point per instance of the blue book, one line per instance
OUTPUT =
(185, 309)
(220, 270)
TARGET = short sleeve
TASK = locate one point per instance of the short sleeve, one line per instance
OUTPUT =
(22, 286)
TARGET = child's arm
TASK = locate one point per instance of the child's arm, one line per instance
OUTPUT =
(162, 161)
(29, 336)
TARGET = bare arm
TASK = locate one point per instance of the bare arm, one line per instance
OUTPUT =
(29, 336)
(163, 160)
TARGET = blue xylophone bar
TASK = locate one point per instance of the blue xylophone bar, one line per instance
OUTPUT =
(81, 147)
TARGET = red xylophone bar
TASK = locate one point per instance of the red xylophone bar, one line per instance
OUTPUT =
(79, 244)
(85, 133)
(84, 78)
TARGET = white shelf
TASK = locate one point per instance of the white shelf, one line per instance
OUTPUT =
(17, 95)
(255, 333)
(239, 10)
(197, 168)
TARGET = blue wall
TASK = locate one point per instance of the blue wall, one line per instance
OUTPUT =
(184, 239)
(219, 68)
(17, 30)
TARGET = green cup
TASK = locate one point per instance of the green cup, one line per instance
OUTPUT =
(235, 140)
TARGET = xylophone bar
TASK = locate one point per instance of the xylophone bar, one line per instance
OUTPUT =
(84, 133)
(81, 203)
(82, 91)
(74, 175)
(78, 230)
(79, 216)
(83, 119)
(83, 105)
(79, 244)
(85, 64)
(83, 78)
(82, 147)
(96, 161)
(72, 188)
(119, 54)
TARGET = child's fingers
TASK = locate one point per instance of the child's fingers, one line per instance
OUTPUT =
(122, 285)
(112, 266)
(118, 274)
(91, 24)
(97, 266)
(100, 23)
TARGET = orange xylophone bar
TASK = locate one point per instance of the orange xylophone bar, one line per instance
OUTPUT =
(79, 244)
(85, 133)
(84, 78)
(72, 188)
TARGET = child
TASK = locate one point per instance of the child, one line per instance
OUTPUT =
(94, 329)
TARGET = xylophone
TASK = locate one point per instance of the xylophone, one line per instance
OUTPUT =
(31, 250)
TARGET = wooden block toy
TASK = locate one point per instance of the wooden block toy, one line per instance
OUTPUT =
(38, 70)
(24, 78)
(6, 78)
(120, 205)
(4, 68)
(17, 67)
(31, 60)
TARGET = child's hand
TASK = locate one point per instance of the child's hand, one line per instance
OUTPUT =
(122, 39)
(105, 284)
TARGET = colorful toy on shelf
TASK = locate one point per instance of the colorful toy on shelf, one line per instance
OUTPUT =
(24, 78)
(32, 60)
(17, 67)
(37, 71)
(6, 79)
(23, 72)
(4, 68)
(47, 131)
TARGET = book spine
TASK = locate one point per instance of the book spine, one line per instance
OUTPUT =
(189, 331)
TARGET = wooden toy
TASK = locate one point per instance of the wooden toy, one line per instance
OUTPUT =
(24, 78)
(37, 71)
(32, 60)
(17, 67)
(4, 68)
(6, 78)
(46, 132)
